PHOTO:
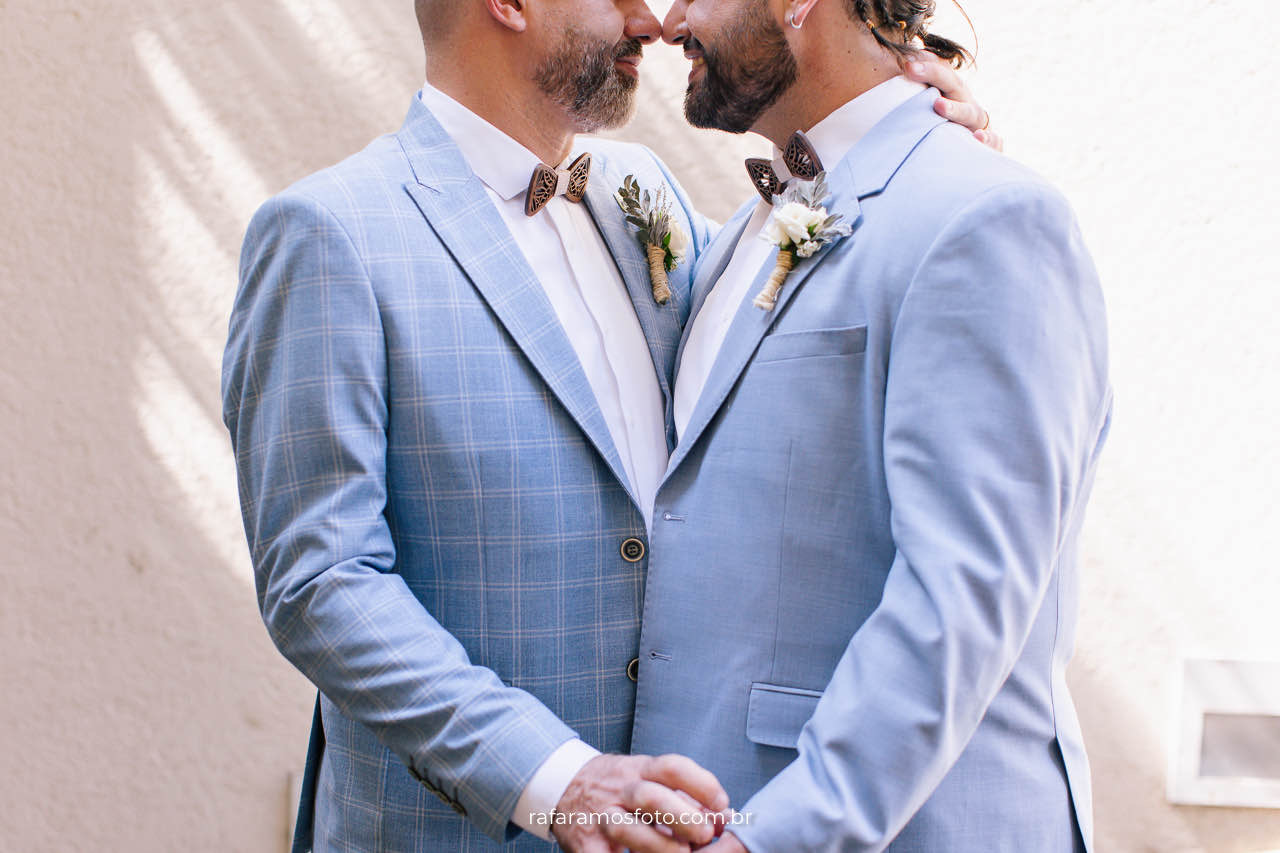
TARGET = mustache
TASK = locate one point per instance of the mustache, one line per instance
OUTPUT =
(629, 48)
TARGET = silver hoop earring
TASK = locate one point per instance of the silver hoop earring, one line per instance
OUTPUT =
(791, 19)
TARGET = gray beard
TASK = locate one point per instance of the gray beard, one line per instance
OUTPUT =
(585, 82)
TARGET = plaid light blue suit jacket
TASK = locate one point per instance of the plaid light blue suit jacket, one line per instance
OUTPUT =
(433, 504)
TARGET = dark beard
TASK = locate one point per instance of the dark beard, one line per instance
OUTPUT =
(746, 73)
(580, 77)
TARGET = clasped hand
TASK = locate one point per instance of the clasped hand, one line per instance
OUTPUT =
(646, 804)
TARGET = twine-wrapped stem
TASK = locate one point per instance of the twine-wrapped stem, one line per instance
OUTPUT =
(658, 274)
(768, 296)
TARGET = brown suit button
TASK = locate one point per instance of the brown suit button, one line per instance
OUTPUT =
(633, 550)
(633, 669)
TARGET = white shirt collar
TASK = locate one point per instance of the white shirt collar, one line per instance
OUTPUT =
(503, 164)
(835, 135)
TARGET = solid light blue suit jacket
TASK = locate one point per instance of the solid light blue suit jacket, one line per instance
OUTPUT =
(435, 509)
(863, 585)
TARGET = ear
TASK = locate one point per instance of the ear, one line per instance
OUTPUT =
(798, 11)
(508, 13)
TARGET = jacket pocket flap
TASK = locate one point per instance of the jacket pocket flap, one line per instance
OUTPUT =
(776, 714)
(808, 344)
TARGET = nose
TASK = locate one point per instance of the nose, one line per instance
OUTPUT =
(641, 23)
(675, 29)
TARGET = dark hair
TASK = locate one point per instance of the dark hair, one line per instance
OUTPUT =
(903, 21)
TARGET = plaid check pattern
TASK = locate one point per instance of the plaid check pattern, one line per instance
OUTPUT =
(432, 501)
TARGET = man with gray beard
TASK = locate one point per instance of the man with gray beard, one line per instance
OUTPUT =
(446, 381)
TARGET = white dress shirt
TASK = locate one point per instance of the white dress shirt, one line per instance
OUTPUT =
(586, 291)
(832, 138)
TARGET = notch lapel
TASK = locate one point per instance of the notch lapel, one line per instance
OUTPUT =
(718, 256)
(660, 323)
(458, 209)
(864, 172)
(751, 324)
(706, 274)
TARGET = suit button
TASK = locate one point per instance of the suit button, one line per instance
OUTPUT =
(633, 669)
(633, 550)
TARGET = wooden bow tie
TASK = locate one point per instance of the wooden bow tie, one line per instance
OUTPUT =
(545, 184)
(801, 160)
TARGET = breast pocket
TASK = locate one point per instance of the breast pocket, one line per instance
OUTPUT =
(817, 343)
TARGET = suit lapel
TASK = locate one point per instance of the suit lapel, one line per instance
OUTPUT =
(718, 256)
(660, 323)
(751, 324)
(459, 210)
(864, 172)
(711, 267)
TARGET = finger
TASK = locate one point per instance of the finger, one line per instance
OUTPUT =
(674, 810)
(965, 114)
(990, 138)
(634, 833)
(590, 842)
(720, 821)
(928, 69)
(684, 774)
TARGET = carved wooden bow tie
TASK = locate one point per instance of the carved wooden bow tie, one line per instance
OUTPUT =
(545, 184)
(801, 160)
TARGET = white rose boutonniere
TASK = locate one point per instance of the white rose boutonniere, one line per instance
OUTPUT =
(800, 226)
(792, 223)
(678, 246)
(666, 244)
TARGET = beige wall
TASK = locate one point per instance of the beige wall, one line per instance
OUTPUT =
(143, 707)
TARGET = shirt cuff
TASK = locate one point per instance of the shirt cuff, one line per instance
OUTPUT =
(540, 796)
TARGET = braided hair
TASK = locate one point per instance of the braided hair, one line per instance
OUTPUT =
(896, 24)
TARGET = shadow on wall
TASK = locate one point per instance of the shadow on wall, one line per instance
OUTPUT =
(145, 708)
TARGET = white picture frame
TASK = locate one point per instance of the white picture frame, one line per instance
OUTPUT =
(1222, 687)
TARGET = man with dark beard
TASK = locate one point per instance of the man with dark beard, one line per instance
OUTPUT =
(890, 399)
(446, 382)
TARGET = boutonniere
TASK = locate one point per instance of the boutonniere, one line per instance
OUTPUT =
(800, 226)
(664, 241)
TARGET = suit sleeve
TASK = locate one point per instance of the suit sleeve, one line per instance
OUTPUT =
(306, 401)
(996, 404)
